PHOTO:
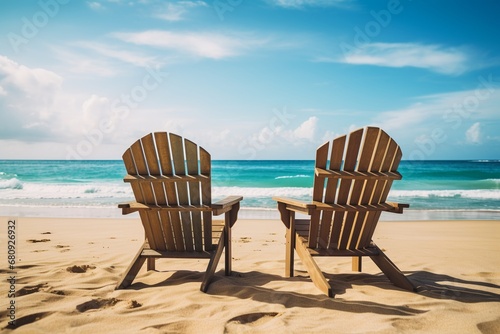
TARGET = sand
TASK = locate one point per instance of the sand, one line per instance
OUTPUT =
(67, 270)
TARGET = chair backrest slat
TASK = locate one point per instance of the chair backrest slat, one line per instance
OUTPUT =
(369, 196)
(147, 196)
(319, 183)
(179, 160)
(350, 163)
(206, 197)
(192, 163)
(335, 220)
(360, 186)
(172, 221)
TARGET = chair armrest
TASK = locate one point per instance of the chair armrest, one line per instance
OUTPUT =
(131, 207)
(135, 206)
(226, 204)
(397, 207)
(295, 204)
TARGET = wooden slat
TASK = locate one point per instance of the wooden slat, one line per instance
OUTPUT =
(312, 268)
(130, 166)
(382, 188)
(178, 159)
(321, 160)
(167, 230)
(338, 152)
(206, 196)
(345, 252)
(370, 189)
(150, 153)
(135, 206)
(318, 188)
(354, 175)
(153, 167)
(351, 157)
(365, 160)
(217, 230)
(391, 161)
(353, 207)
(165, 179)
(128, 160)
(153, 253)
(150, 220)
(165, 157)
(194, 192)
(336, 155)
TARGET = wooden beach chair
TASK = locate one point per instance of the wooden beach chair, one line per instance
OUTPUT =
(171, 181)
(350, 189)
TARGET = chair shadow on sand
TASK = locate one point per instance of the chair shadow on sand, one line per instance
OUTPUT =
(252, 285)
(442, 286)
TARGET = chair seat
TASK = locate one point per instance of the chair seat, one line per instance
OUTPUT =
(302, 230)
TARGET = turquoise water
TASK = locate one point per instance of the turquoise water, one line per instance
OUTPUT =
(28, 186)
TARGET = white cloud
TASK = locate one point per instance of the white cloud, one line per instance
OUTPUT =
(438, 125)
(309, 3)
(27, 107)
(473, 134)
(82, 63)
(35, 81)
(207, 45)
(175, 11)
(448, 110)
(94, 109)
(451, 61)
(94, 5)
(307, 130)
(121, 55)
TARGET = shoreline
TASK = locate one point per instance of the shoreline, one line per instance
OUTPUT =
(244, 213)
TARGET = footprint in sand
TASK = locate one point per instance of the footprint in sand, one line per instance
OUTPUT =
(134, 304)
(34, 241)
(28, 290)
(95, 304)
(249, 320)
(79, 269)
(63, 248)
(28, 319)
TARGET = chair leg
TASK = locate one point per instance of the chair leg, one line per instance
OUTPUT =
(212, 264)
(290, 246)
(227, 244)
(132, 270)
(392, 272)
(356, 263)
(312, 268)
(151, 263)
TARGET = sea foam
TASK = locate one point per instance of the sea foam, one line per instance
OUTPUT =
(13, 183)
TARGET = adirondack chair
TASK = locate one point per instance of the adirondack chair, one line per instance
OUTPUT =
(171, 181)
(349, 195)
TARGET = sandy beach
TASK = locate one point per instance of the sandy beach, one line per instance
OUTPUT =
(67, 268)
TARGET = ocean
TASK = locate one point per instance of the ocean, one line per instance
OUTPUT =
(69, 188)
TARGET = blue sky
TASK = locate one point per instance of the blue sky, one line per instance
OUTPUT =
(262, 79)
